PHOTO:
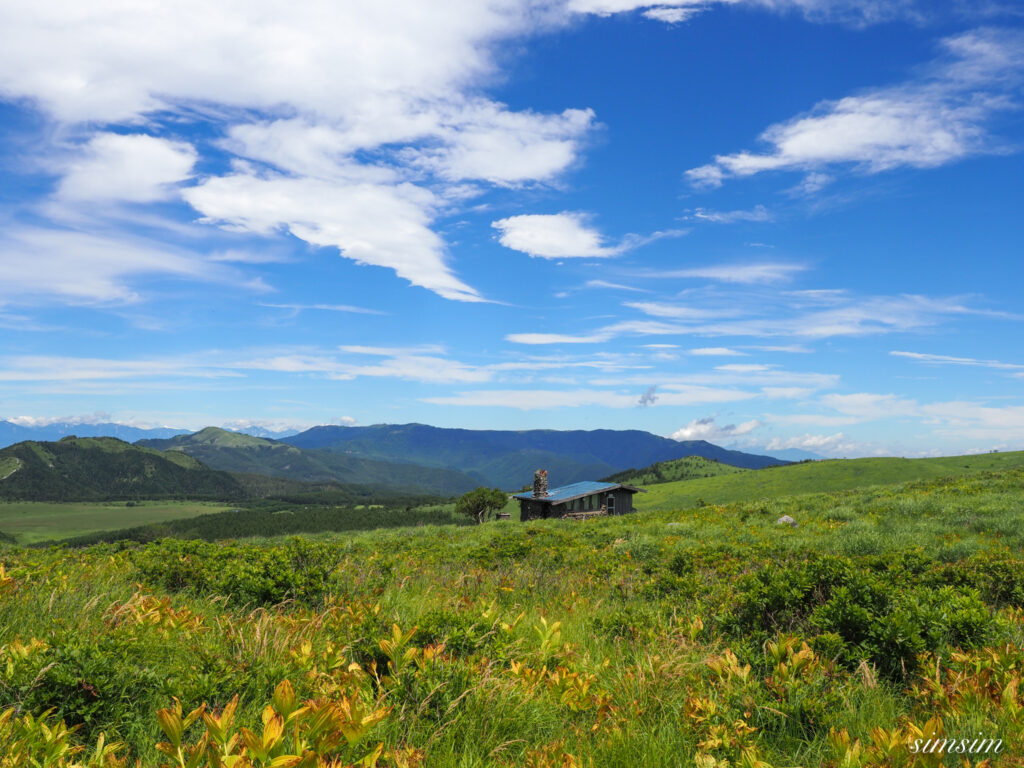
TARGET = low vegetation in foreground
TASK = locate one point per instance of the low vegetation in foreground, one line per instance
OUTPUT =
(888, 618)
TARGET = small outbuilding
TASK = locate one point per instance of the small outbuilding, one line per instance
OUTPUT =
(577, 501)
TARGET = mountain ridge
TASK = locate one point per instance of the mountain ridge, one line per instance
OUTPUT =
(238, 452)
(507, 458)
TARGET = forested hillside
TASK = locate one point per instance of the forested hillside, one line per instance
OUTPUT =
(236, 452)
(96, 469)
(688, 468)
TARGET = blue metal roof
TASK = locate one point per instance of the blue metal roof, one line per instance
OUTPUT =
(567, 492)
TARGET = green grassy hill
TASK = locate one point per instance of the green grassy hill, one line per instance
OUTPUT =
(688, 468)
(816, 477)
(236, 452)
(105, 468)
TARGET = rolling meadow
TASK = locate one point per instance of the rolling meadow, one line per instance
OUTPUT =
(890, 616)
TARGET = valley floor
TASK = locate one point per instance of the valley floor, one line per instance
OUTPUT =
(29, 522)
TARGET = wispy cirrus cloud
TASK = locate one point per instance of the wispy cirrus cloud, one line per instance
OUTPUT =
(843, 315)
(933, 359)
(744, 274)
(296, 308)
(73, 267)
(542, 399)
(756, 214)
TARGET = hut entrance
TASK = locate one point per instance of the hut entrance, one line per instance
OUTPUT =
(610, 504)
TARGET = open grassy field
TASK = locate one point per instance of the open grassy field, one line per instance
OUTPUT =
(816, 477)
(29, 522)
(889, 617)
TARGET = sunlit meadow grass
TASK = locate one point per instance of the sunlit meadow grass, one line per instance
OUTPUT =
(710, 636)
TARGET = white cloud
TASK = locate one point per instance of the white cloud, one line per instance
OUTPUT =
(381, 225)
(868, 407)
(423, 349)
(425, 368)
(757, 213)
(836, 444)
(679, 311)
(280, 425)
(81, 268)
(795, 349)
(506, 148)
(962, 420)
(844, 316)
(931, 359)
(239, 256)
(393, 77)
(458, 139)
(296, 308)
(811, 184)
(770, 272)
(76, 369)
(640, 328)
(132, 168)
(670, 15)
(529, 400)
(715, 351)
(707, 429)
(855, 12)
(565, 235)
(109, 61)
(922, 123)
(810, 419)
(777, 381)
(787, 393)
(553, 236)
(615, 286)
(744, 367)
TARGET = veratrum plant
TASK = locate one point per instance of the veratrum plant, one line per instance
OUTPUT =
(313, 735)
(40, 743)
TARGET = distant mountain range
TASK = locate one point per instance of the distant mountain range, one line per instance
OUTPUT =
(507, 459)
(407, 458)
(11, 433)
(236, 452)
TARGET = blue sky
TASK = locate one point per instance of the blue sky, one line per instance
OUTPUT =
(770, 224)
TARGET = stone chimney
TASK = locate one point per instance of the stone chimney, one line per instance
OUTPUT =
(540, 483)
